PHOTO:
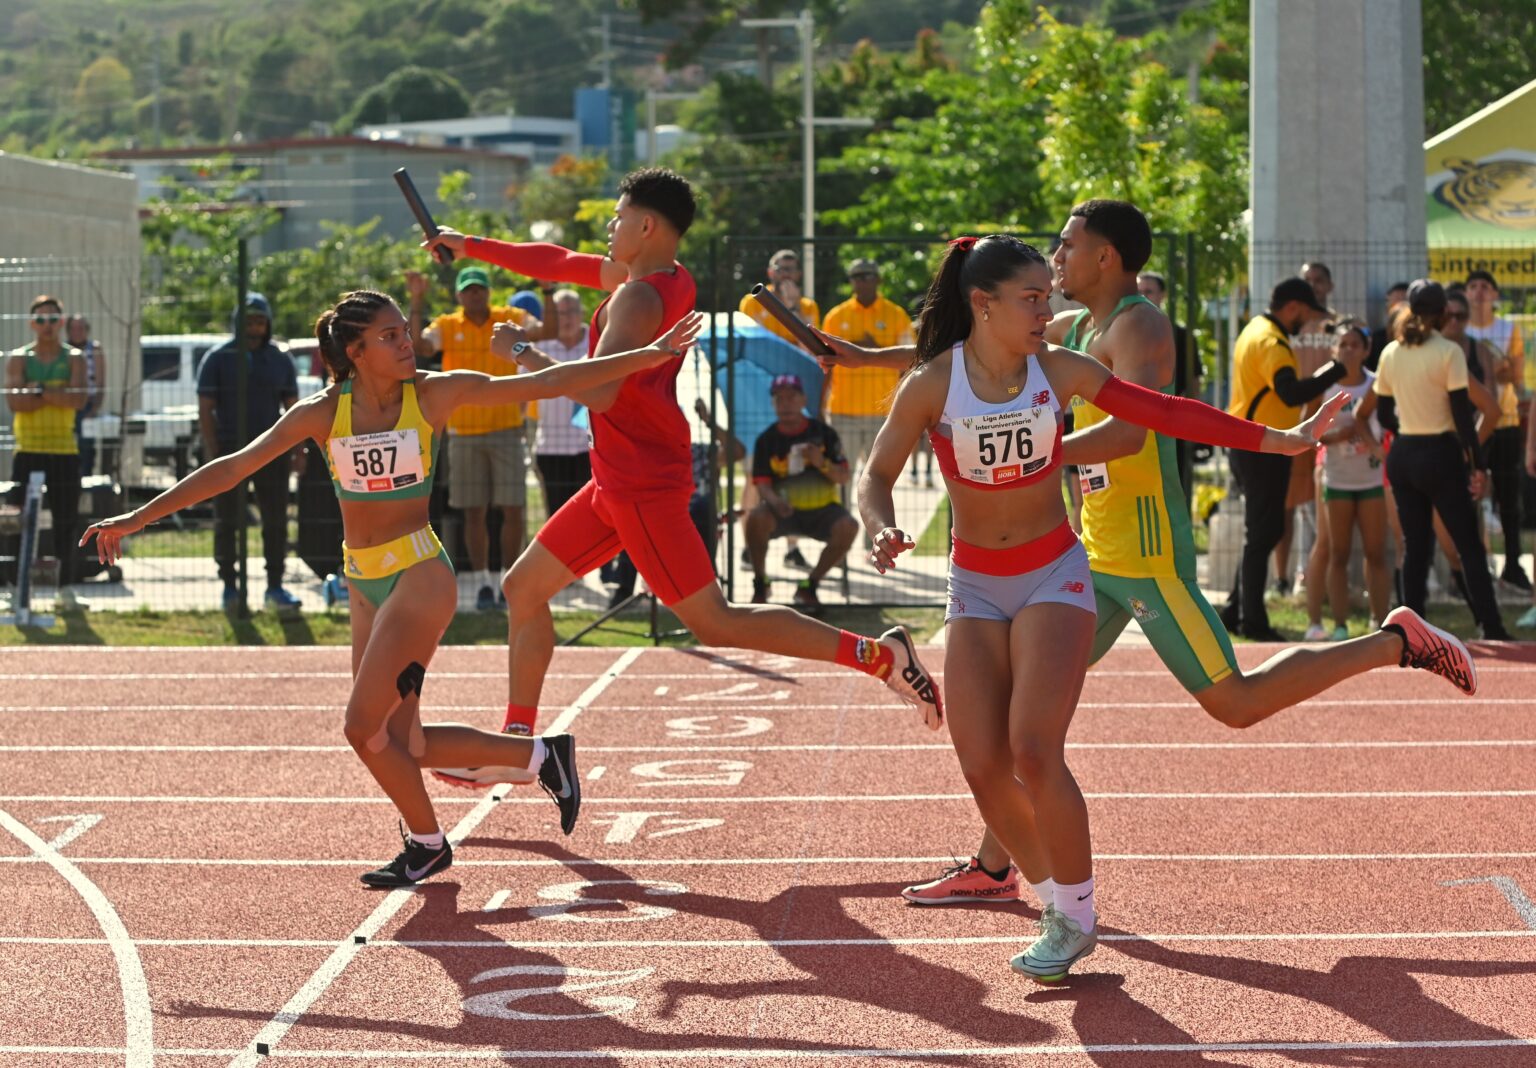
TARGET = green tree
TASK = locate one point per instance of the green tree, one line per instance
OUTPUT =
(410, 94)
(1475, 51)
(1051, 114)
(190, 247)
(104, 95)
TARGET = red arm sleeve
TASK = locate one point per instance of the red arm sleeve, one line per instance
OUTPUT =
(546, 262)
(1177, 417)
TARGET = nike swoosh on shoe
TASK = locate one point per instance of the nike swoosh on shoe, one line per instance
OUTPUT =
(414, 874)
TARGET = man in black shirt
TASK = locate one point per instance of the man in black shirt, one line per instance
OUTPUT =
(272, 387)
(798, 466)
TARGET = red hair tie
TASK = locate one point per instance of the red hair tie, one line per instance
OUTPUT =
(964, 244)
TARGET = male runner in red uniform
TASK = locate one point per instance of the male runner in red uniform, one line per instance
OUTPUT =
(642, 473)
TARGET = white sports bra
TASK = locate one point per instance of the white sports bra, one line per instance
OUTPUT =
(998, 446)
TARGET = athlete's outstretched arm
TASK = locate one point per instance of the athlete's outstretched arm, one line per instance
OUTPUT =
(847, 354)
(1143, 356)
(309, 418)
(535, 259)
(916, 407)
(1181, 417)
(575, 378)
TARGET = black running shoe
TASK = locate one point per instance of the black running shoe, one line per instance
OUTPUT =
(414, 864)
(557, 775)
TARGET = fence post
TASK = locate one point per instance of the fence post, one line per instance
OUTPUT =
(242, 426)
(730, 414)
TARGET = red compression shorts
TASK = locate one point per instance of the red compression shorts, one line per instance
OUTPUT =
(591, 528)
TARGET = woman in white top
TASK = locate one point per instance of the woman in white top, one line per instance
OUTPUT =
(988, 392)
(1436, 463)
(1354, 494)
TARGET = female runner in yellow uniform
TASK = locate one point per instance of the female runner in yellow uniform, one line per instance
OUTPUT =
(379, 424)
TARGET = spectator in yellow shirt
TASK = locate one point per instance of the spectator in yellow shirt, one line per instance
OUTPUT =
(784, 283)
(1267, 388)
(487, 465)
(856, 399)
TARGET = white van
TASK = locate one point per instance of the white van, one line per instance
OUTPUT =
(166, 419)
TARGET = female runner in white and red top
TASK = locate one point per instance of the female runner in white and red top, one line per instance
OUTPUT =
(988, 390)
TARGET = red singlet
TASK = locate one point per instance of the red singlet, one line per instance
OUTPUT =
(641, 445)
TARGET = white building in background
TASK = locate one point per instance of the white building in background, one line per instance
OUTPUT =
(540, 140)
(313, 181)
(71, 232)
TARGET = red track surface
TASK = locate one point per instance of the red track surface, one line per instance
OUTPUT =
(1273, 896)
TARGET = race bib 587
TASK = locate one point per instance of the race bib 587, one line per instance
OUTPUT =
(377, 463)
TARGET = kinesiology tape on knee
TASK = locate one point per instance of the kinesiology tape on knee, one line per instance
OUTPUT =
(410, 680)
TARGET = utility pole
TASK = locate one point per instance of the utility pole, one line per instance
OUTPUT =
(805, 25)
(155, 75)
(651, 97)
(607, 56)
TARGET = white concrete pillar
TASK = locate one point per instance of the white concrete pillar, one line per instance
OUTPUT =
(1337, 145)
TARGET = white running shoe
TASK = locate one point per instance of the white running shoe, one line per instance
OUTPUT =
(1427, 647)
(1315, 633)
(910, 681)
(1061, 945)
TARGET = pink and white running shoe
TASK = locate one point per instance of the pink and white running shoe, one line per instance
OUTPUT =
(1431, 649)
(964, 883)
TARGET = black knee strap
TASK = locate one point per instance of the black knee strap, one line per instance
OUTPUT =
(410, 680)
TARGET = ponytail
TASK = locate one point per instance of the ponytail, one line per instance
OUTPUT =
(969, 263)
(337, 329)
(1414, 328)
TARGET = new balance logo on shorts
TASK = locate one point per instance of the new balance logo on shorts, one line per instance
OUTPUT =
(1073, 586)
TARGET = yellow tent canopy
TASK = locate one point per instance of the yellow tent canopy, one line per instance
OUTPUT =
(1480, 184)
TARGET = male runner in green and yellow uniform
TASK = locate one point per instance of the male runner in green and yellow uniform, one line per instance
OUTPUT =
(1136, 528)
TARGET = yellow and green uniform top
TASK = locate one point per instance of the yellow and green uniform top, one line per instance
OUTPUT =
(866, 390)
(466, 346)
(1135, 516)
(387, 465)
(51, 428)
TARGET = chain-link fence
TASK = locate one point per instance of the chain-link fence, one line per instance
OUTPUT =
(146, 432)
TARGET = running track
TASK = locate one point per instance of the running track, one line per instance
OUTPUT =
(181, 831)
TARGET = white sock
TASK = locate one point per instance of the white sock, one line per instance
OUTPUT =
(1075, 901)
(485, 579)
(539, 752)
(1045, 891)
(431, 841)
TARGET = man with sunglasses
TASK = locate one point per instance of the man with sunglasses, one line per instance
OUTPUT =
(45, 386)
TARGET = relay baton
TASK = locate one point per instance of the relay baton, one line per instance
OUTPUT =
(419, 209)
(802, 333)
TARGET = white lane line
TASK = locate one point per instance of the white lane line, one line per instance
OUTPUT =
(137, 1014)
(498, 899)
(732, 862)
(1012, 938)
(849, 747)
(315, 987)
(391, 1055)
(1310, 795)
(1187, 705)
